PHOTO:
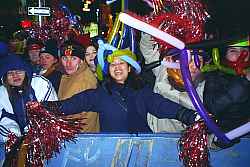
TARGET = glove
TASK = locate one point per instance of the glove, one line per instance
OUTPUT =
(187, 116)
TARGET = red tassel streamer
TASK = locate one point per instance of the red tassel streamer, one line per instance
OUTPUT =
(46, 134)
(193, 144)
(183, 19)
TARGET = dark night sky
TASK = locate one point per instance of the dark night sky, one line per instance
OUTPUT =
(231, 16)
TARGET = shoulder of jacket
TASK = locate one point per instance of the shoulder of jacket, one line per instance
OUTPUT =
(3, 91)
(4, 100)
(40, 82)
(39, 78)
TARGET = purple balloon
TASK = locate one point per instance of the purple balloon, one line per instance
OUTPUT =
(196, 99)
(196, 59)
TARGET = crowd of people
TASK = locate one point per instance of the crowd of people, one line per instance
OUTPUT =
(122, 102)
(63, 78)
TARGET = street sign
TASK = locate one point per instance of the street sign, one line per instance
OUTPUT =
(39, 11)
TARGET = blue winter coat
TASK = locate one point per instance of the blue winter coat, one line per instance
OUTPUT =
(124, 110)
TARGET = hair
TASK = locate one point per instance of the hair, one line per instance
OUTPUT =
(94, 44)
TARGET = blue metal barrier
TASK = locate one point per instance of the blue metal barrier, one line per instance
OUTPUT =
(140, 150)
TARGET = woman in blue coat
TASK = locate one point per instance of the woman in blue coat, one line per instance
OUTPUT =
(121, 101)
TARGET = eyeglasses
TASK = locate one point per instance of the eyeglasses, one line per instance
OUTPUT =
(15, 72)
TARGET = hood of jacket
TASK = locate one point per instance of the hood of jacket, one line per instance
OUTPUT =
(14, 62)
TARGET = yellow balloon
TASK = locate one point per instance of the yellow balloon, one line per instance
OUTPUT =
(99, 72)
(216, 56)
(115, 29)
(120, 41)
(123, 5)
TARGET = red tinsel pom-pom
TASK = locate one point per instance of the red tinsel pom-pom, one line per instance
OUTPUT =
(12, 139)
(183, 19)
(45, 135)
(193, 145)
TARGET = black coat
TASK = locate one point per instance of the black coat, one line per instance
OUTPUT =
(228, 98)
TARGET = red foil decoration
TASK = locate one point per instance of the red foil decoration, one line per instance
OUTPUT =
(57, 27)
(241, 64)
(183, 19)
(193, 144)
(182, 29)
(45, 135)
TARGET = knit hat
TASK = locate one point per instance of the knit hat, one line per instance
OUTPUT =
(34, 44)
(50, 47)
(73, 48)
(14, 62)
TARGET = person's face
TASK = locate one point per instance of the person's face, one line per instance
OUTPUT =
(233, 53)
(70, 64)
(119, 70)
(90, 55)
(47, 60)
(34, 56)
(15, 77)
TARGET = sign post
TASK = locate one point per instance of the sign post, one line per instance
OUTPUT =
(39, 11)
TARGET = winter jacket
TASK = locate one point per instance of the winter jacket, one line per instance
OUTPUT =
(228, 98)
(72, 84)
(123, 109)
(151, 53)
(39, 88)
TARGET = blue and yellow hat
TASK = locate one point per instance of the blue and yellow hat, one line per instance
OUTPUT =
(124, 54)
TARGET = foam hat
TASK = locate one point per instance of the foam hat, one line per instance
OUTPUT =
(125, 55)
